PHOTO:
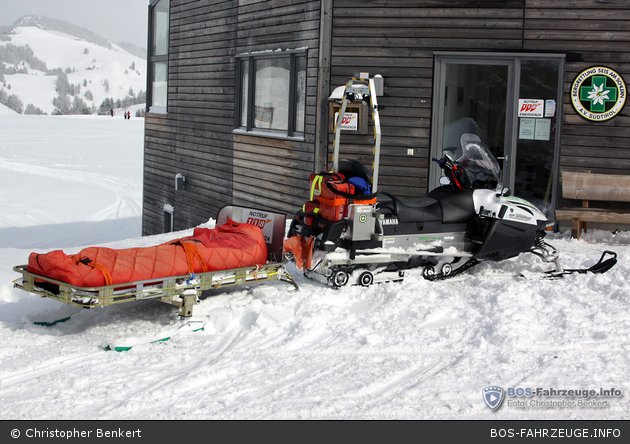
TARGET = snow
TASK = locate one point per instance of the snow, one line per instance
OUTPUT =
(63, 51)
(410, 350)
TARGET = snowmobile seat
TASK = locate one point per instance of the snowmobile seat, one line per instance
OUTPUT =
(457, 205)
(425, 209)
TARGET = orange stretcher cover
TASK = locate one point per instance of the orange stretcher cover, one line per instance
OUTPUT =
(227, 246)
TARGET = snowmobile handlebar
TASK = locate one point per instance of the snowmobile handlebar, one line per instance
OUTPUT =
(460, 179)
(444, 162)
(455, 173)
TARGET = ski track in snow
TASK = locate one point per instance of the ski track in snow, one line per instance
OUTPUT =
(55, 365)
(171, 376)
(113, 183)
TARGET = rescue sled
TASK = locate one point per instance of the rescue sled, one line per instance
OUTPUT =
(183, 290)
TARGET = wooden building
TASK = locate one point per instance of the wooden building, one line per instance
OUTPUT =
(238, 95)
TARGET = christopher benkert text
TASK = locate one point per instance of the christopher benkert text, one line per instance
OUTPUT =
(74, 433)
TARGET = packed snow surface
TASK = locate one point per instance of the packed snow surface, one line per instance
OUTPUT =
(409, 350)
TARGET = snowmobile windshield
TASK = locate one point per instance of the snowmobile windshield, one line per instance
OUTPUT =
(476, 158)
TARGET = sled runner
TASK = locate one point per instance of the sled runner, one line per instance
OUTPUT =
(249, 241)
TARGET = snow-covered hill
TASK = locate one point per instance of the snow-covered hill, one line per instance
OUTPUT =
(95, 71)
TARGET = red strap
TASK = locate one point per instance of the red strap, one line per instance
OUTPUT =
(106, 274)
(191, 251)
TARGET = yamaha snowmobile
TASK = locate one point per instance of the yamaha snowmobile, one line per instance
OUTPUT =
(350, 233)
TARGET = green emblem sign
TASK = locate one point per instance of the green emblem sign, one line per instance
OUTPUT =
(598, 93)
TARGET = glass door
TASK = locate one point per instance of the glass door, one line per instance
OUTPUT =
(535, 152)
(511, 102)
(474, 97)
(477, 104)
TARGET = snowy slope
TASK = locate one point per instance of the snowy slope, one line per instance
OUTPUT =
(410, 350)
(63, 51)
(82, 176)
(6, 111)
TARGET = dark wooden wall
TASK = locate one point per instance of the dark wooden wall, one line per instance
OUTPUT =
(397, 38)
(273, 173)
(196, 137)
(590, 32)
(394, 38)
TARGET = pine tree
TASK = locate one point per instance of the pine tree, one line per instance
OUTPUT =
(106, 106)
(31, 109)
(15, 104)
(62, 104)
(141, 97)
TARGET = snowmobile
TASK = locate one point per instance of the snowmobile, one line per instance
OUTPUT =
(354, 234)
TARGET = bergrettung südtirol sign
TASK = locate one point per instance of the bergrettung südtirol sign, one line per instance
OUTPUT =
(598, 93)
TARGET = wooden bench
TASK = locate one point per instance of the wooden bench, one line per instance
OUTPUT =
(586, 186)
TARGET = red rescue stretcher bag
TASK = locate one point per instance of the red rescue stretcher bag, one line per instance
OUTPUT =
(231, 245)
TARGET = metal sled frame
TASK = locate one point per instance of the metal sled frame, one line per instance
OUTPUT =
(355, 90)
(182, 291)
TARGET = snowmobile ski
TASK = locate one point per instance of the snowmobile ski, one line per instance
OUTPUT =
(601, 266)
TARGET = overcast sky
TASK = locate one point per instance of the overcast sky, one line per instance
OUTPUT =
(115, 20)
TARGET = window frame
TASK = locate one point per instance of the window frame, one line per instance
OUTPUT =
(250, 59)
(153, 60)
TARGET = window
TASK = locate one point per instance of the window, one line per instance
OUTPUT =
(169, 218)
(271, 93)
(157, 77)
